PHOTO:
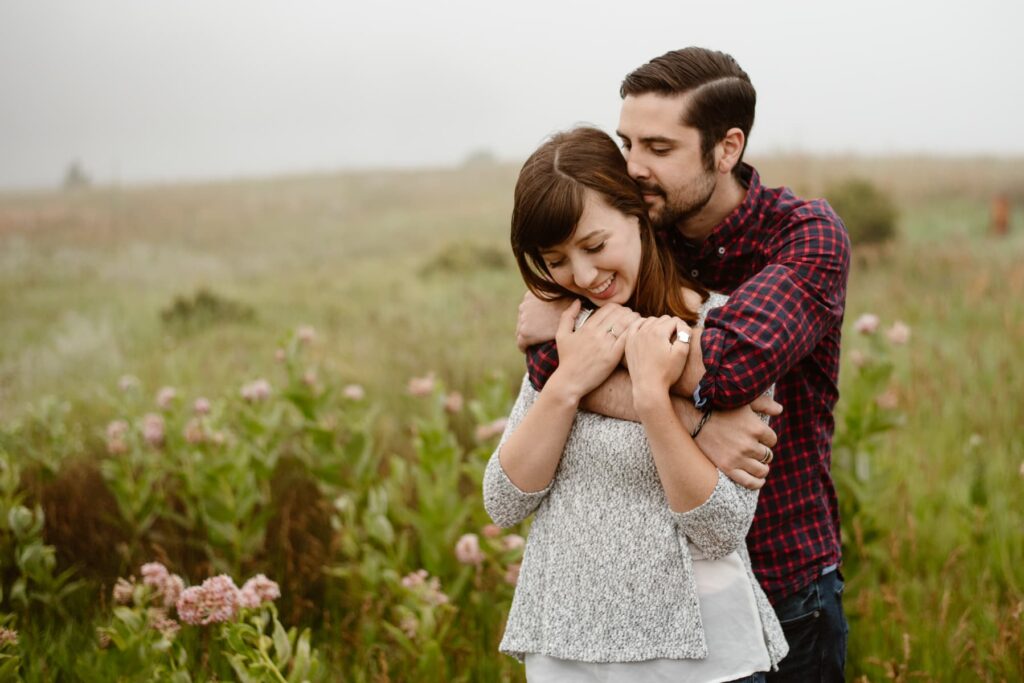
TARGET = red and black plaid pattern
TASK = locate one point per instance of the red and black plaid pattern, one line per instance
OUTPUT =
(784, 262)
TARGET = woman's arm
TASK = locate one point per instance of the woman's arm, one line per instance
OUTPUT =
(531, 450)
(656, 357)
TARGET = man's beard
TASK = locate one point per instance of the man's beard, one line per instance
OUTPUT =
(678, 211)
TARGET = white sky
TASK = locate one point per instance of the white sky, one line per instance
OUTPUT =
(142, 90)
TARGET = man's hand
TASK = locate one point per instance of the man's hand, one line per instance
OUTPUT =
(538, 320)
(735, 441)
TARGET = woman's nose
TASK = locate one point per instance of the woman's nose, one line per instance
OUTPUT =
(584, 274)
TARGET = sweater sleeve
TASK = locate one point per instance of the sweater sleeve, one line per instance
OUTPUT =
(719, 525)
(505, 502)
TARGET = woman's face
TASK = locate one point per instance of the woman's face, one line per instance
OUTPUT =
(601, 259)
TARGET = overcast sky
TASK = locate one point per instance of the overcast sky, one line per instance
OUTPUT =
(143, 90)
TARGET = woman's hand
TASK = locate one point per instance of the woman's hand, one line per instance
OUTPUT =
(656, 352)
(588, 355)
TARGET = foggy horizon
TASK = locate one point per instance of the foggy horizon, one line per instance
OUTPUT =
(157, 93)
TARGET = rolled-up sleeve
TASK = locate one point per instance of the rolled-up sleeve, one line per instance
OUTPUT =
(505, 502)
(719, 525)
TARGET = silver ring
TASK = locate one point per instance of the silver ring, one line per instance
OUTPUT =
(768, 456)
(683, 336)
(611, 331)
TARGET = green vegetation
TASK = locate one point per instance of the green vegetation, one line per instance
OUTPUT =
(342, 499)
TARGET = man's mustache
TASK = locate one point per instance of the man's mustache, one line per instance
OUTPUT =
(648, 188)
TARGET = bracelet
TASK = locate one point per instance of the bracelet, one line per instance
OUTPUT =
(700, 425)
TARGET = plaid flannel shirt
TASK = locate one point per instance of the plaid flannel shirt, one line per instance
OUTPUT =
(784, 262)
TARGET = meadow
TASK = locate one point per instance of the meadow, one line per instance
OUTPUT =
(354, 350)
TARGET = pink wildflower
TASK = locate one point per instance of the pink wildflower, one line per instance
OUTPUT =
(467, 550)
(190, 605)
(309, 378)
(887, 400)
(153, 429)
(491, 429)
(898, 333)
(167, 586)
(154, 574)
(422, 386)
(201, 406)
(513, 542)
(867, 324)
(220, 599)
(116, 432)
(410, 625)
(194, 431)
(433, 594)
(512, 573)
(305, 334)
(159, 620)
(8, 636)
(354, 392)
(416, 578)
(256, 390)
(491, 531)
(858, 358)
(279, 355)
(128, 382)
(257, 590)
(124, 591)
(453, 402)
(165, 397)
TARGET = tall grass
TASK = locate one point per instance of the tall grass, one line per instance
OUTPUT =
(933, 543)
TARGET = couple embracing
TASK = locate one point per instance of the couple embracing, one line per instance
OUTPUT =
(676, 306)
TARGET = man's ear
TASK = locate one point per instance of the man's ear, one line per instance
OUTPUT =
(729, 150)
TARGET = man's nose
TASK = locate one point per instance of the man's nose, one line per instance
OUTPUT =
(636, 169)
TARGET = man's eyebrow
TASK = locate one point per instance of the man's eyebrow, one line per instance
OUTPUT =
(650, 139)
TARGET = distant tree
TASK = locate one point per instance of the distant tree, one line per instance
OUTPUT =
(75, 177)
(480, 157)
(867, 211)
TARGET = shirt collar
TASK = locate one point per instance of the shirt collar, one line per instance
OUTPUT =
(726, 233)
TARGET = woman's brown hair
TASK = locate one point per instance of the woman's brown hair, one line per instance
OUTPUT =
(549, 199)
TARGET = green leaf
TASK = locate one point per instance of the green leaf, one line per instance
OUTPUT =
(282, 646)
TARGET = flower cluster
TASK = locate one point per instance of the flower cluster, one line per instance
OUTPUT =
(8, 636)
(166, 586)
(165, 397)
(429, 589)
(256, 391)
(153, 429)
(116, 433)
(218, 599)
(491, 429)
(422, 386)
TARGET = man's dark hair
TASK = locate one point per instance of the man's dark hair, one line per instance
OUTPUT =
(722, 96)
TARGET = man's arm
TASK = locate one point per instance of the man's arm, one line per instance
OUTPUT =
(778, 316)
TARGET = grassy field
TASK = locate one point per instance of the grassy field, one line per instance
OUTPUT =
(405, 273)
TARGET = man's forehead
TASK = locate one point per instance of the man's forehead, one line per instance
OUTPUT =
(652, 115)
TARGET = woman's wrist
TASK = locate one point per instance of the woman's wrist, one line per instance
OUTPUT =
(562, 391)
(648, 401)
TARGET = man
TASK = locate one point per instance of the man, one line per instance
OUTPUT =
(783, 261)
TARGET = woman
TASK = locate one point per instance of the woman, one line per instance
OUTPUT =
(635, 563)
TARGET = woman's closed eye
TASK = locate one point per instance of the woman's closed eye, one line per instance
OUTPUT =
(595, 249)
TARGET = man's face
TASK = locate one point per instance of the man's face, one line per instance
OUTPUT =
(664, 158)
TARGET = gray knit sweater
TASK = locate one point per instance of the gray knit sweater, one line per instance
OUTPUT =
(607, 575)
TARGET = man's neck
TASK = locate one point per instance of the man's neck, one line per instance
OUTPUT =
(728, 194)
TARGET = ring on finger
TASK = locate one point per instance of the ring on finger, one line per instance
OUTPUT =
(611, 331)
(682, 336)
(768, 456)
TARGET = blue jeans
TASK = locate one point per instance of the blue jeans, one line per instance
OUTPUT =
(752, 678)
(816, 630)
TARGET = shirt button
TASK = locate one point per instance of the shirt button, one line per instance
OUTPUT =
(721, 251)
(694, 272)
